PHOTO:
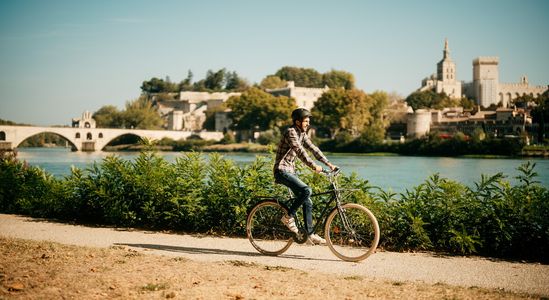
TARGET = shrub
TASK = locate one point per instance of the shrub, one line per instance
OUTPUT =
(213, 195)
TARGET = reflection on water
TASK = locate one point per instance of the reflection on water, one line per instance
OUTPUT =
(396, 173)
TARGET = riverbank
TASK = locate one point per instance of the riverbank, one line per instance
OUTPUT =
(535, 151)
(236, 147)
(446, 148)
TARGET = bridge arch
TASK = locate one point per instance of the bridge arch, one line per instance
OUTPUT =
(73, 146)
(102, 143)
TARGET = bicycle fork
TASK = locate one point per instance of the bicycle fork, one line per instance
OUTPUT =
(346, 224)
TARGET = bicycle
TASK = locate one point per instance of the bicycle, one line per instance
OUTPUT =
(351, 230)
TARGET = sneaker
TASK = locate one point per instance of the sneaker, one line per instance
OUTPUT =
(290, 223)
(316, 239)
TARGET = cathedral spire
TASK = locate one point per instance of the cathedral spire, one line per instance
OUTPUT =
(446, 49)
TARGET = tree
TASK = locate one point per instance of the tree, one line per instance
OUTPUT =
(199, 86)
(141, 114)
(467, 103)
(418, 100)
(235, 83)
(339, 79)
(431, 99)
(257, 109)
(540, 114)
(272, 82)
(340, 109)
(156, 85)
(301, 76)
(108, 116)
(380, 101)
(215, 81)
(379, 120)
(522, 101)
(373, 134)
(186, 84)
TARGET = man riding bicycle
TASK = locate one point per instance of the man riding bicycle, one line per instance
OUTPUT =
(292, 145)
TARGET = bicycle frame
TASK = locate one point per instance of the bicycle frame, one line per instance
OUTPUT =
(328, 205)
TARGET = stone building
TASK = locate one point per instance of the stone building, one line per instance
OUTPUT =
(445, 81)
(485, 89)
(85, 122)
(187, 112)
(499, 123)
(304, 97)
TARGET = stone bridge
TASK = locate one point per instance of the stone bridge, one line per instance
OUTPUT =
(91, 139)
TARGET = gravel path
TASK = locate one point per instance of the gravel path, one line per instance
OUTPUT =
(461, 271)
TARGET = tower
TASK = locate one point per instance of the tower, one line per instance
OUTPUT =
(446, 75)
(446, 68)
(486, 80)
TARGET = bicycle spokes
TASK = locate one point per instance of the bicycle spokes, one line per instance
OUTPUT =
(265, 229)
(353, 232)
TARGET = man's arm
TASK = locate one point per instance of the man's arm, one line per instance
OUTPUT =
(316, 152)
(307, 143)
(293, 140)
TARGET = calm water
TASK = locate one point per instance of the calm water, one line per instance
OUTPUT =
(396, 173)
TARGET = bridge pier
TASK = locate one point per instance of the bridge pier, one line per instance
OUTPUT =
(87, 146)
(5, 146)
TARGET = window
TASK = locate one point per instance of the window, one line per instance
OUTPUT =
(89, 136)
(2, 136)
(77, 135)
(87, 125)
(100, 135)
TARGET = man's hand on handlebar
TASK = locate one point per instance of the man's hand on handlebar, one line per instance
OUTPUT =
(318, 169)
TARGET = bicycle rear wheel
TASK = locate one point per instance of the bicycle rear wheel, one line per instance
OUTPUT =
(266, 231)
(352, 234)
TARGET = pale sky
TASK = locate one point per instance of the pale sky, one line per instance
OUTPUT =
(60, 58)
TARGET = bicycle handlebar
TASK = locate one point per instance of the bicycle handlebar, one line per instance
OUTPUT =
(330, 172)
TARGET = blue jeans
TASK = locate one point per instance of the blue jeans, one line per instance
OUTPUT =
(303, 196)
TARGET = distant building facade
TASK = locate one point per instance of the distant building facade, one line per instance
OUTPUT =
(187, 112)
(485, 88)
(85, 122)
(498, 123)
(445, 80)
(304, 97)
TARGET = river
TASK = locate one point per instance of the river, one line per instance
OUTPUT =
(395, 173)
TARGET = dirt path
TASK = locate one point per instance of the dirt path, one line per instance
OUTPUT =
(400, 267)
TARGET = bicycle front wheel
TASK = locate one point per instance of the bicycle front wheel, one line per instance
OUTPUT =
(352, 233)
(266, 231)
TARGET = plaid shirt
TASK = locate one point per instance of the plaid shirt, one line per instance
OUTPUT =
(292, 145)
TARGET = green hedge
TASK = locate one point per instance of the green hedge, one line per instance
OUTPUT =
(428, 146)
(211, 194)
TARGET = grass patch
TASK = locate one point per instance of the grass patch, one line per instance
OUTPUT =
(152, 287)
(277, 268)
(239, 263)
(354, 277)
